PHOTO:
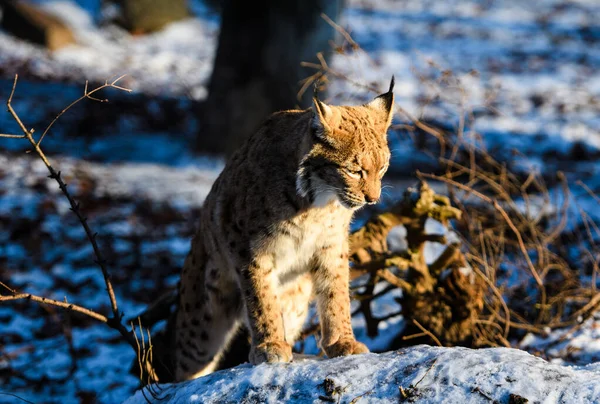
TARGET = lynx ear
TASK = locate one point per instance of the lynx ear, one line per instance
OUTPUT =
(324, 120)
(384, 105)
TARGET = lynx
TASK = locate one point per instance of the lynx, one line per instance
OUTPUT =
(273, 234)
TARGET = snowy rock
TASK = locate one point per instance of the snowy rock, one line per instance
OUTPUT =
(422, 373)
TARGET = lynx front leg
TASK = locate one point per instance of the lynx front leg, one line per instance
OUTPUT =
(264, 312)
(331, 278)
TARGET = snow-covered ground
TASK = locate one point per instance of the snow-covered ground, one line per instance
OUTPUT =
(418, 374)
(177, 60)
(536, 90)
(576, 345)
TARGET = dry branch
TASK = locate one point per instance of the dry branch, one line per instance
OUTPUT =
(115, 320)
(14, 295)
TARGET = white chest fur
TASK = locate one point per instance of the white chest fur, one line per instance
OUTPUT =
(317, 228)
(322, 199)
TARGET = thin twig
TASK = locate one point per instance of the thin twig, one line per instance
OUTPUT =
(86, 94)
(429, 333)
(426, 373)
(115, 320)
(342, 31)
(508, 220)
(2, 393)
(12, 136)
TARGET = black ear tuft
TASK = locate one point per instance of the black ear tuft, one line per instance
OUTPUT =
(384, 104)
(388, 98)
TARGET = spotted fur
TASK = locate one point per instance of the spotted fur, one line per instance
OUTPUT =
(273, 234)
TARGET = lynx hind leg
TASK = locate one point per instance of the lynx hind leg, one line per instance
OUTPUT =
(295, 299)
(207, 320)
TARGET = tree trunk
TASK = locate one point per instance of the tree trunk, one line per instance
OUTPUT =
(257, 67)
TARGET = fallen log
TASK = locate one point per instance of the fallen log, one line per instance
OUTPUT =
(31, 23)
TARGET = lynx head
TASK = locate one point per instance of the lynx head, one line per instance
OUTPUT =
(349, 153)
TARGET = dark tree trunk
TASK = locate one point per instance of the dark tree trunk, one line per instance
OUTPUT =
(257, 67)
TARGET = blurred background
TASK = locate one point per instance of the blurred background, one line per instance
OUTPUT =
(518, 79)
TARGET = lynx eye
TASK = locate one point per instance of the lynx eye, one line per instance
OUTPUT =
(353, 174)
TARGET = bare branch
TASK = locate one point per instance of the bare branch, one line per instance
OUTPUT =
(342, 31)
(2, 393)
(85, 95)
(115, 320)
(508, 220)
(52, 302)
(12, 136)
(15, 295)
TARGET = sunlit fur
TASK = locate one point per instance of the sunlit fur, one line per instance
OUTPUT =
(349, 156)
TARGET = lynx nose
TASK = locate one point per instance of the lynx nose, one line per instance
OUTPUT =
(371, 191)
(371, 198)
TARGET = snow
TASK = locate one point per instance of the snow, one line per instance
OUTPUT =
(183, 186)
(521, 53)
(397, 239)
(175, 60)
(66, 268)
(580, 344)
(425, 374)
(533, 77)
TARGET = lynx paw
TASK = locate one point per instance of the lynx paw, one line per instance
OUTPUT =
(346, 347)
(271, 352)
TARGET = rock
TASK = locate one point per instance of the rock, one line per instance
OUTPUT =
(418, 374)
